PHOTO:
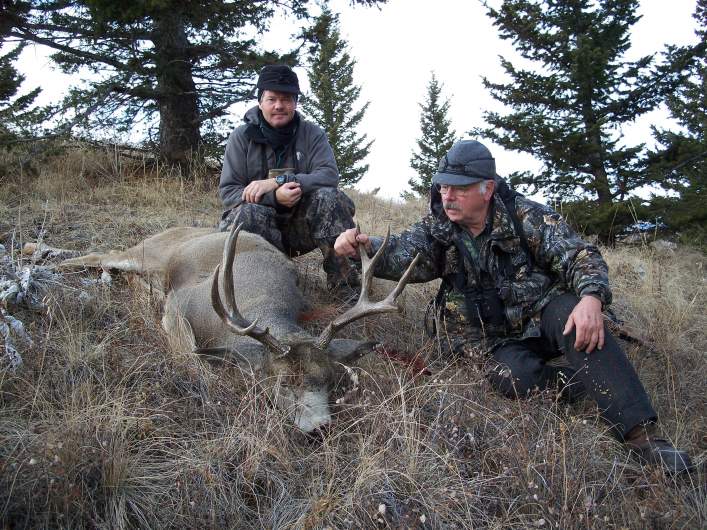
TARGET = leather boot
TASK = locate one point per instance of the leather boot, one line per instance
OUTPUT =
(651, 449)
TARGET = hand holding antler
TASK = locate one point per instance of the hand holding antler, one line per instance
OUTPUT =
(349, 241)
(364, 306)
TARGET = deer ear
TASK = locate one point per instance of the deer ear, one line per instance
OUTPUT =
(349, 351)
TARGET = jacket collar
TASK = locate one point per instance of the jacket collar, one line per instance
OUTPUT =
(502, 225)
(252, 120)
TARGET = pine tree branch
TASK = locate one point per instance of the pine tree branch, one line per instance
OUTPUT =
(68, 49)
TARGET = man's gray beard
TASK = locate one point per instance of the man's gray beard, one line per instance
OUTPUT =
(451, 206)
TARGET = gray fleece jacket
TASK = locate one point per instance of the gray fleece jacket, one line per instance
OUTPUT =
(249, 157)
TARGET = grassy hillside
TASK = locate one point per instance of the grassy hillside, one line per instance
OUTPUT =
(104, 425)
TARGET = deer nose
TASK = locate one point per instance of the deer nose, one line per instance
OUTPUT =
(318, 435)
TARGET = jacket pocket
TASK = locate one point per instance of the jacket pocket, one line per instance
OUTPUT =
(522, 295)
(528, 289)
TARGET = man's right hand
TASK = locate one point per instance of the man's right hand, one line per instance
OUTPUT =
(255, 190)
(288, 194)
(347, 243)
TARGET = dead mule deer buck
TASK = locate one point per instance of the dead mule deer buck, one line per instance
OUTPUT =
(237, 294)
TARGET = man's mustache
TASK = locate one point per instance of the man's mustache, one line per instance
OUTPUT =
(451, 205)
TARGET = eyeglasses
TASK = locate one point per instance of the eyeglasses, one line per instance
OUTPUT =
(459, 191)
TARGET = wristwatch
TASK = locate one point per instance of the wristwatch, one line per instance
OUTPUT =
(286, 177)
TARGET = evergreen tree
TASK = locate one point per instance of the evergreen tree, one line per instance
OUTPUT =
(17, 119)
(680, 165)
(436, 138)
(333, 96)
(568, 109)
(175, 66)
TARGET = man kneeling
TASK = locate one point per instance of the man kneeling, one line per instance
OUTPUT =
(532, 290)
(279, 180)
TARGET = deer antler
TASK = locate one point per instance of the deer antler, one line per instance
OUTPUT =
(231, 316)
(364, 306)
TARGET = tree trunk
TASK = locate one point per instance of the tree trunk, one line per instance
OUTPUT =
(601, 179)
(595, 158)
(180, 139)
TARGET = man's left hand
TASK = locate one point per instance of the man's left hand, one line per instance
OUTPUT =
(254, 191)
(588, 321)
(288, 194)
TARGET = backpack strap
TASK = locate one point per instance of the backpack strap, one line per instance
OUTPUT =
(508, 196)
(435, 306)
(264, 160)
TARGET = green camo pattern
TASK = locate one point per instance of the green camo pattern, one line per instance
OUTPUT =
(561, 262)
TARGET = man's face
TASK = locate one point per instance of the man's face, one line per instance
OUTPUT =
(278, 108)
(466, 205)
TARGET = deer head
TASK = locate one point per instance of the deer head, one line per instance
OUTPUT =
(308, 368)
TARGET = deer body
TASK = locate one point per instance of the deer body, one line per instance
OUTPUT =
(265, 283)
(180, 263)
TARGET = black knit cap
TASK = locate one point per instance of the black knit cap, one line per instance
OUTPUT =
(279, 78)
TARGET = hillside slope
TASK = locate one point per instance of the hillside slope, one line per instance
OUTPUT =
(104, 425)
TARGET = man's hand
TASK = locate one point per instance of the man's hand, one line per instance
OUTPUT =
(347, 243)
(288, 194)
(254, 191)
(586, 317)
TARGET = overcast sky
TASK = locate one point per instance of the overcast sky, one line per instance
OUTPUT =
(400, 44)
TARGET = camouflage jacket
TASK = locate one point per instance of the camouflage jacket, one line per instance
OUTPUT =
(561, 262)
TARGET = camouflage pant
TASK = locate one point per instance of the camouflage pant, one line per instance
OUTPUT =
(314, 222)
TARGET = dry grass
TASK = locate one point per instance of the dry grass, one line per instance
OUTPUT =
(107, 426)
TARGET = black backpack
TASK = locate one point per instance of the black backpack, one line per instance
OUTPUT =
(508, 195)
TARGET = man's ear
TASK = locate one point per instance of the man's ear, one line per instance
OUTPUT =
(490, 188)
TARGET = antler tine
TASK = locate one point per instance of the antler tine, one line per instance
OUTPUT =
(393, 295)
(363, 306)
(231, 316)
(368, 265)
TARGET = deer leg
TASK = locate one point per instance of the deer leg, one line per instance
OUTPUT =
(40, 251)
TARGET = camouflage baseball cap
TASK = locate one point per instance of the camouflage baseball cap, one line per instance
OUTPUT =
(467, 162)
